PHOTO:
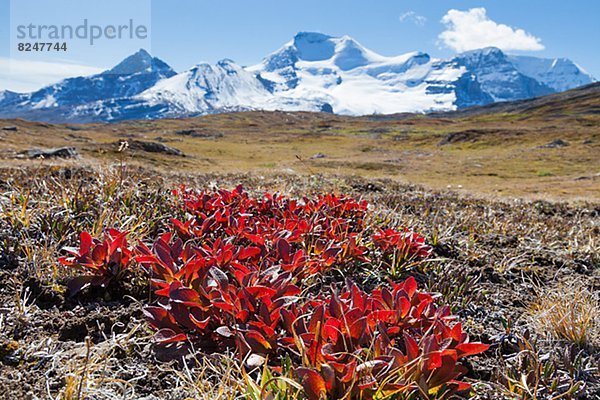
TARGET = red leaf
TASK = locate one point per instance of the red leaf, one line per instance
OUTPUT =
(66, 261)
(412, 348)
(331, 330)
(248, 252)
(257, 342)
(201, 325)
(261, 291)
(434, 360)
(186, 296)
(223, 306)
(165, 336)
(460, 385)
(470, 349)
(100, 253)
(381, 315)
(410, 286)
(159, 318)
(335, 306)
(358, 329)
(256, 239)
(283, 250)
(86, 242)
(312, 383)
(317, 319)
(350, 375)
(456, 332)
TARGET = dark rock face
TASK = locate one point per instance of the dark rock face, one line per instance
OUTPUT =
(469, 93)
(327, 108)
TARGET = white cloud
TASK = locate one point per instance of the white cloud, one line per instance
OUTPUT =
(413, 17)
(27, 76)
(473, 29)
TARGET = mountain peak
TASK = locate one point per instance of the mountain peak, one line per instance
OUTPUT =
(226, 62)
(311, 36)
(345, 52)
(141, 61)
(143, 54)
(313, 46)
(483, 52)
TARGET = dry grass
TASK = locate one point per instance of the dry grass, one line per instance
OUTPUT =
(490, 256)
(568, 312)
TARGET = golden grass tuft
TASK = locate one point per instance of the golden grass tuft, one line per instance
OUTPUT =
(568, 312)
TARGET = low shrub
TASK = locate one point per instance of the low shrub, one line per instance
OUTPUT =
(235, 275)
(102, 260)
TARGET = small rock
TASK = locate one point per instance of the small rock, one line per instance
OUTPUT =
(318, 155)
(10, 128)
(555, 144)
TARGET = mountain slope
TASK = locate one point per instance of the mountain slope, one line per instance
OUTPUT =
(498, 77)
(560, 74)
(580, 102)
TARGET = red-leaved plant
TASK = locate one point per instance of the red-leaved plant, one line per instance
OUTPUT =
(400, 247)
(232, 276)
(100, 260)
(358, 345)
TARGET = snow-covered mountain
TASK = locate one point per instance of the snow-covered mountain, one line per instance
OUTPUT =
(558, 73)
(59, 102)
(499, 77)
(312, 72)
(341, 75)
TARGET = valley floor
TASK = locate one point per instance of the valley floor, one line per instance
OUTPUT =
(550, 154)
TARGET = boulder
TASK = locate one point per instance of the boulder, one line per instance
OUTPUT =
(61, 152)
(153, 147)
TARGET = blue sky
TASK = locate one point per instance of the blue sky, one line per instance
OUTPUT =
(186, 32)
